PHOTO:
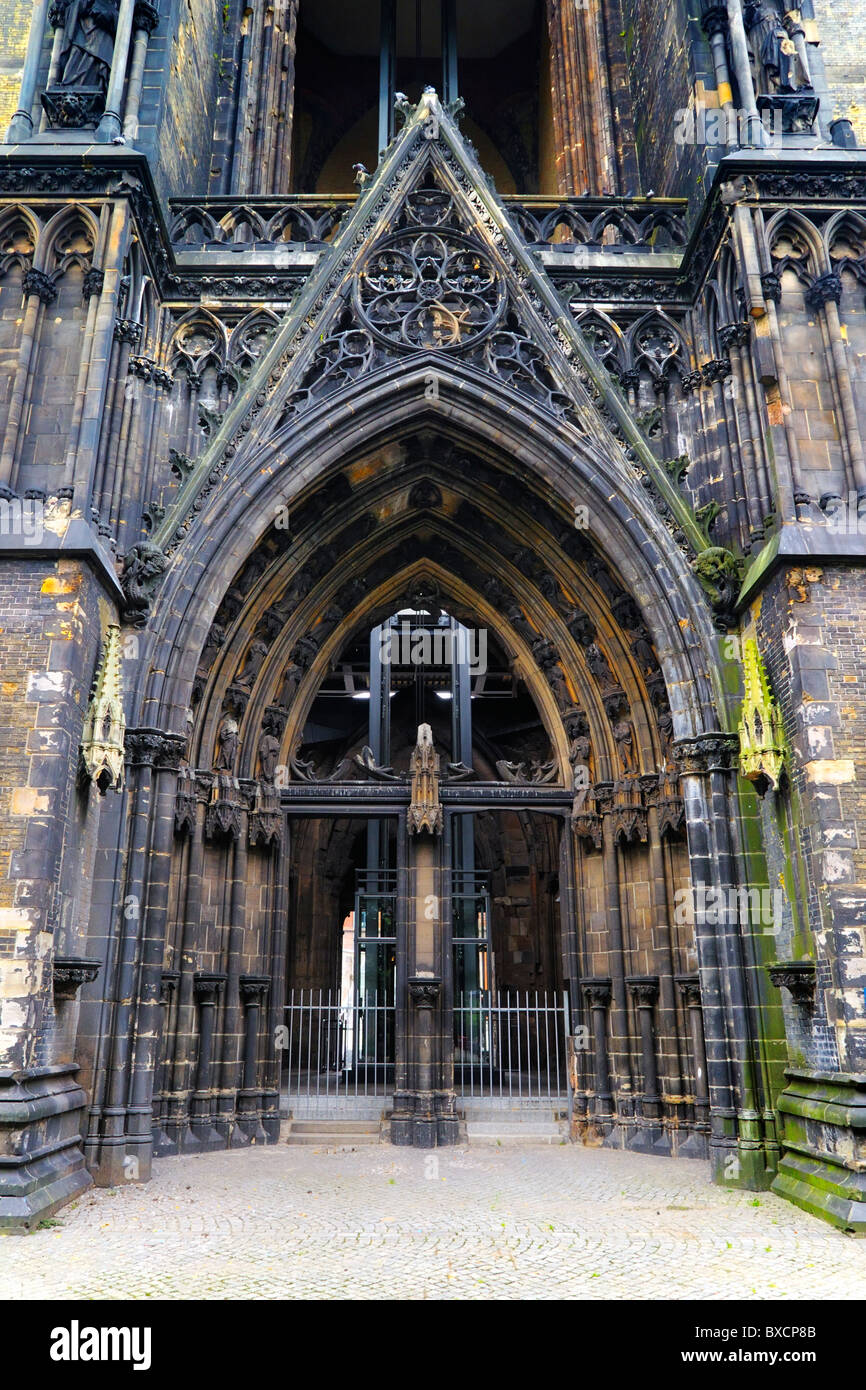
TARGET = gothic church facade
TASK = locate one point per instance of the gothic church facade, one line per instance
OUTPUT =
(433, 515)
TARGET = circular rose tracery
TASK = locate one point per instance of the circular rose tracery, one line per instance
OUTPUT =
(429, 290)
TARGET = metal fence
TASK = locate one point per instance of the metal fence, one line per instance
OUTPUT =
(334, 1049)
(511, 1045)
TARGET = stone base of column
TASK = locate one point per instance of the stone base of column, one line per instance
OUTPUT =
(201, 1123)
(425, 1119)
(823, 1135)
(41, 1157)
(271, 1115)
(740, 1163)
(115, 1162)
(249, 1117)
(692, 1144)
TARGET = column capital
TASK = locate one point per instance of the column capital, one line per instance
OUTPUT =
(208, 986)
(711, 752)
(597, 991)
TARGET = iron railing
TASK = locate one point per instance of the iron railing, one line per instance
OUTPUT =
(334, 1049)
(512, 1045)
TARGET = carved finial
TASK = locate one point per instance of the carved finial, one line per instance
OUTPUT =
(762, 738)
(425, 811)
(104, 724)
(362, 175)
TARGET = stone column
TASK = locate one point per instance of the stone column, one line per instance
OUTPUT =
(109, 127)
(145, 20)
(161, 1142)
(756, 135)
(208, 988)
(425, 1105)
(21, 125)
(696, 1144)
(178, 1121)
(40, 290)
(597, 993)
(581, 106)
(620, 1050)
(253, 990)
(649, 1136)
(715, 24)
(707, 765)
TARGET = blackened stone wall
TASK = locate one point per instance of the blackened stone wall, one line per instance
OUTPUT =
(812, 627)
(179, 95)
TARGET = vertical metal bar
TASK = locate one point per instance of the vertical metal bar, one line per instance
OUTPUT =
(387, 56)
(300, 1042)
(519, 1050)
(318, 1042)
(449, 51)
(291, 1041)
(510, 1063)
(375, 1039)
(528, 1048)
(566, 1019)
(550, 1022)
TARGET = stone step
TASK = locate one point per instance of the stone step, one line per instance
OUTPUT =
(497, 1127)
(331, 1140)
(323, 1126)
(508, 1138)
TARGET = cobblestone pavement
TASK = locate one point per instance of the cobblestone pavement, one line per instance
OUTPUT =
(476, 1223)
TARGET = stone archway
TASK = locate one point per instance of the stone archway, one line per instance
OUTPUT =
(613, 642)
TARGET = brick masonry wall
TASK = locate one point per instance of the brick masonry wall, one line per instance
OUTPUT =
(842, 26)
(668, 63)
(179, 95)
(14, 28)
(50, 618)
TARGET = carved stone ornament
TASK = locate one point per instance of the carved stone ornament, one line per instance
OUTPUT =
(425, 811)
(719, 573)
(208, 986)
(424, 991)
(797, 976)
(223, 816)
(628, 812)
(429, 290)
(185, 803)
(142, 567)
(712, 752)
(70, 973)
(102, 739)
(597, 991)
(762, 738)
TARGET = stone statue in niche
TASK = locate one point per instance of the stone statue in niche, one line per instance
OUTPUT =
(623, 735)
(269, 752)
(253, 664)
(778, 60)
(291, 680)
(643, 653)
(227, 745)
(88, 45)
(598, 665)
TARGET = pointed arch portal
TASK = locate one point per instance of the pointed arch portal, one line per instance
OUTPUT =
(425, 438)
